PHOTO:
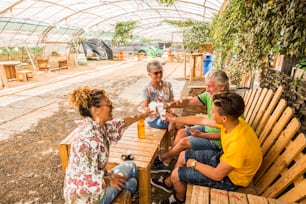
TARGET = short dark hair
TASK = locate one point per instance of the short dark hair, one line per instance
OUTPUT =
(229, 104)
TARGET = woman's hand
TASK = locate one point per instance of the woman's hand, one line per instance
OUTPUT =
(147, 112)
(118, 181)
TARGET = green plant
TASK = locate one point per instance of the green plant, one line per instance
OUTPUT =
(302, 66)
(122, 32)
(254, 30)
(195, 33)
(166, 2)
(55, 53)
(74, 45)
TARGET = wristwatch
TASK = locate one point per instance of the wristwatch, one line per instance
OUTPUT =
(193, 164)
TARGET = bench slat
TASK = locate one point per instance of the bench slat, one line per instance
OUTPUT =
(248, 96)
(269, 140)
(262, 109)
(281, 143)
(259, 103)
(218, 196)
(296, 193)
(237, 198)
(272, 120)
(287, 178)
(253, 104)
(292, 151)
(253, 199)
(250, 100)
(200, 196)
(269, 110)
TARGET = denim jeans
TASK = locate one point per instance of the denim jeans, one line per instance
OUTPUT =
(158, 123)
(129, 169)
(192, 176)
(198, 143)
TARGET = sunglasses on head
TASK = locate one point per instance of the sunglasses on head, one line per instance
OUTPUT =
(156, 73)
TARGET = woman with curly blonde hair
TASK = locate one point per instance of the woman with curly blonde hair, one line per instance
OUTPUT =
(87, 180)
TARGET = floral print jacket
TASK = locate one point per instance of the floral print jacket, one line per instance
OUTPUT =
(88, 157)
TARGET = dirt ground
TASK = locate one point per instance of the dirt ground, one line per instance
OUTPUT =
(30, 167)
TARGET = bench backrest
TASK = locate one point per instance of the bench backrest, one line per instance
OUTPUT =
(283, 170)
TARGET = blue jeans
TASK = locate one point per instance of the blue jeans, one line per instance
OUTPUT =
(198, 143)
(209, 157)
(129, 169)
(158, 123)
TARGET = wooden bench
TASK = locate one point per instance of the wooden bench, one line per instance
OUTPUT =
(204, 195)
(24, 75)
(144, 151)
(283, 170)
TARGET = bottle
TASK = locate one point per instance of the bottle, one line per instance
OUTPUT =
(141, 129)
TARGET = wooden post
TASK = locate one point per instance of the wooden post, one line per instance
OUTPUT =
(3, 78)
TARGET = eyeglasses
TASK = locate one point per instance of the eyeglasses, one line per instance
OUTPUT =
(156, 73)
(108, 105)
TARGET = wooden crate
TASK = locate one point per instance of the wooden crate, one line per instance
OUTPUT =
(24, 75)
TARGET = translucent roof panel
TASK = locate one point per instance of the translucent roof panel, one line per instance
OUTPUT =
(39, 21)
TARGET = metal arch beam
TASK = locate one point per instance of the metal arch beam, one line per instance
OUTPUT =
(114, 17)
(197, 4)
(113, 3)
(12, 6)
(119, 1)
(83, 11)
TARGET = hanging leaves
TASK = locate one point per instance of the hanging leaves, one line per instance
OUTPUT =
(248, 32)
(195, 33)
(166, 2)
(122, 32)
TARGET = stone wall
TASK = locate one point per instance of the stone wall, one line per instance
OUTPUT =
(294, 94)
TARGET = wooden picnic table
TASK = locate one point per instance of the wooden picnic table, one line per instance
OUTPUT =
(144, 151)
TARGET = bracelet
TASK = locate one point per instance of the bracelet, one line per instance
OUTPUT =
(108, 180)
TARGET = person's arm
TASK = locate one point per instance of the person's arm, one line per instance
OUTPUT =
(215, 173)
(210, 135)
(192, 120)
(145, 104)
(132, 119)
(181, 103)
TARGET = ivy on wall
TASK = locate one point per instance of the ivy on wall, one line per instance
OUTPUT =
(248, 32)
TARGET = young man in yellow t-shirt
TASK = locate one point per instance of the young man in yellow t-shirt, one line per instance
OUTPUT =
(233, 166)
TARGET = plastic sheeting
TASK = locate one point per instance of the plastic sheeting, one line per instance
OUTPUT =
(41, 21)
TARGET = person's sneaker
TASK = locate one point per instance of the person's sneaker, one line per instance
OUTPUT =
(171, 200)
(160, 183)
(160, 168)
(157, 161)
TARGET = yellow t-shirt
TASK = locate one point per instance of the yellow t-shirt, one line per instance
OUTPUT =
(242, 151)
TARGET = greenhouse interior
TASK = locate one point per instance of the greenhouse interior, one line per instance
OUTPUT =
(50, 48)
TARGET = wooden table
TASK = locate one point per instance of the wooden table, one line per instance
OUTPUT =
(144, 151)
(195, 66)
(10, 68)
